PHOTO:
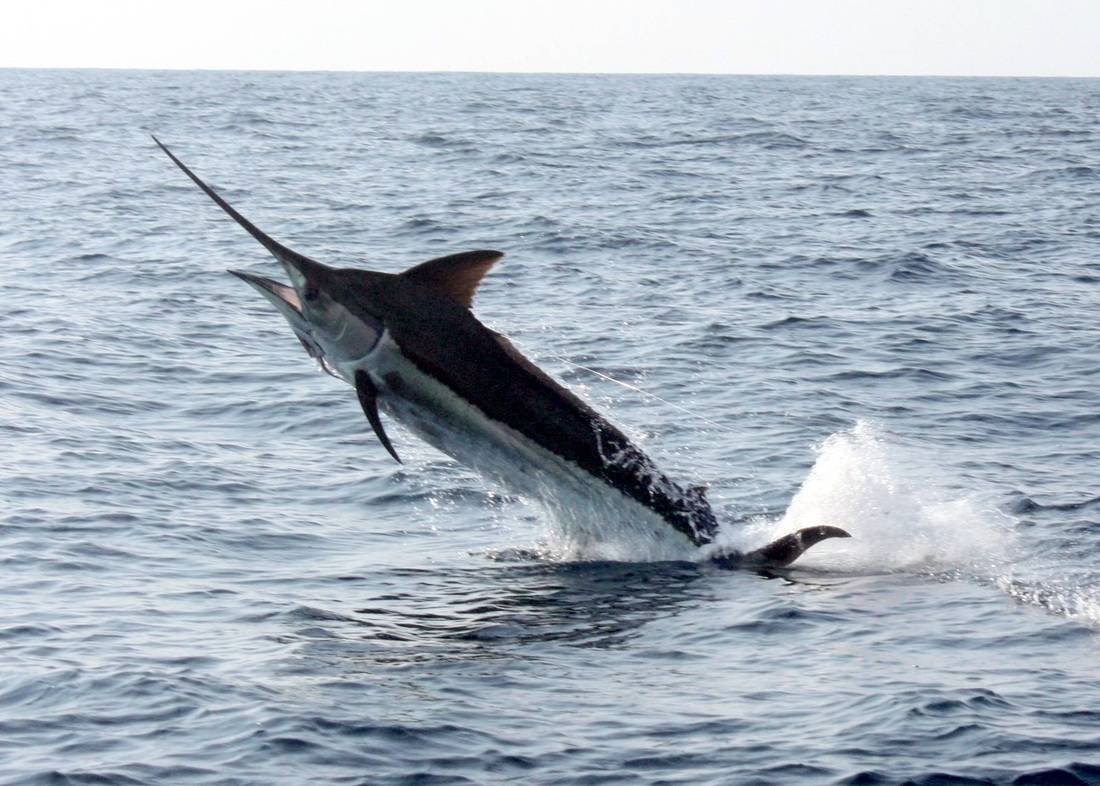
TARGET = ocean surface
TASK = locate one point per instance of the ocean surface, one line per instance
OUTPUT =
(866, 302)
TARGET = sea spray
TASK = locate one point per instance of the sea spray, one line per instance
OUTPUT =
(902, 513)
(906, 515)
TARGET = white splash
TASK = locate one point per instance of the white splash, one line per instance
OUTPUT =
(902, 514)
(906, 514)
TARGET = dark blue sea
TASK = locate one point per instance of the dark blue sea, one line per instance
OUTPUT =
(872, 303)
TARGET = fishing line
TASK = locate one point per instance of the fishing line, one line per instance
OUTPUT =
(637, 389)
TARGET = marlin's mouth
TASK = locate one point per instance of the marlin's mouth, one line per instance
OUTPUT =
(280, 294)
(286, 299)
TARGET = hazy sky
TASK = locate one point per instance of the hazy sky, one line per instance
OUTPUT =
(996, 37)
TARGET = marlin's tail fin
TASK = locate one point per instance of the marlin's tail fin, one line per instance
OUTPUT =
(780, 552)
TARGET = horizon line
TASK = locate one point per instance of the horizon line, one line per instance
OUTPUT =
(438, 72)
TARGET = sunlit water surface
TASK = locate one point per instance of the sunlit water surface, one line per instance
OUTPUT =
(870, 303)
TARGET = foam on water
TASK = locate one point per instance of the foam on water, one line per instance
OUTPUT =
(1065, 595)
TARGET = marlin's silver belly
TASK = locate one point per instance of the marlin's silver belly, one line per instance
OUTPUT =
(593, 520)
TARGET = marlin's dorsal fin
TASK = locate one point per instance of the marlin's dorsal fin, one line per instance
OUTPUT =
(455, 276)
(368, 399)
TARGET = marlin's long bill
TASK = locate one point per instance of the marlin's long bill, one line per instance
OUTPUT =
(277, 249)
(412, 348)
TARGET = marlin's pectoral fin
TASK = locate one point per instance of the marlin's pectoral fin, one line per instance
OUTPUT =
(368, 399)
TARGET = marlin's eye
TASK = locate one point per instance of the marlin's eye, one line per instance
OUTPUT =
(311, 294)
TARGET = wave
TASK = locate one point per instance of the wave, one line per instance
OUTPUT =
(769, 140)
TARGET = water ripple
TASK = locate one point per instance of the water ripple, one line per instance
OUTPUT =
(870, 302)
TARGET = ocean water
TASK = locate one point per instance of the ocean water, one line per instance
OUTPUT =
(865, 302)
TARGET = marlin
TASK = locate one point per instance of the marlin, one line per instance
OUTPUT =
(410, 345)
